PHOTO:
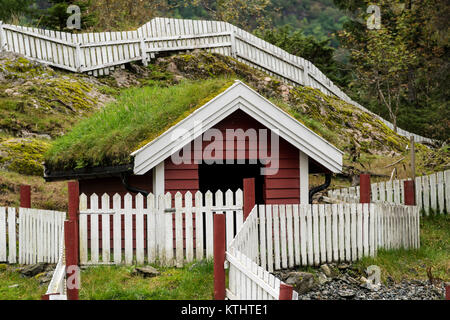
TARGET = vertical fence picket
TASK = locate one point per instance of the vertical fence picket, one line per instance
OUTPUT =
(179, 229)
(189, 227)
(151, 228)
(276, 234)
(140, 254)
(3, 256)
(83, 237)
(106, 229)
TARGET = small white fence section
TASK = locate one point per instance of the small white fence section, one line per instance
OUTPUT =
(248, 280)
(36, 239)
(100, 53)
(57, 289)
(432, 192)
(165, 229)
(276, 237)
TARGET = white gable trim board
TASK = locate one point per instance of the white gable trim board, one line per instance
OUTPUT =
(238, 96)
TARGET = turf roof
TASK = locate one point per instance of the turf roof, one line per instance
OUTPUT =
(137, 117)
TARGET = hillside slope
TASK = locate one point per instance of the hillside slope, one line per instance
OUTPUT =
(38, 105)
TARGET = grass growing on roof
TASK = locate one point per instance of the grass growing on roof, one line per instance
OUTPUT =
(138, 116)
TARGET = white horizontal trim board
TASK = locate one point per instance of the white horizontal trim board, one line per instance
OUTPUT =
(100, 53)
(169, 229)
(238, 97)
(432, 192)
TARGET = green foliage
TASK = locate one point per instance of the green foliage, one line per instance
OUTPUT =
(56, 16)
(14, 8)
(320, 53)
(404, 65)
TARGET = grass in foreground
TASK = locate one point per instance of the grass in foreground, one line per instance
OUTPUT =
(15, 287)
(434, 252)
(192, 282)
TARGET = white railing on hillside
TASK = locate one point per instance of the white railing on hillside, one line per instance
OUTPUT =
(99, 53)
(276, 237)
(171, 230)
(36, 239)
(432, 192)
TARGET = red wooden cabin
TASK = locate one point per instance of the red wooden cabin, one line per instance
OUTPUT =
(256, 134)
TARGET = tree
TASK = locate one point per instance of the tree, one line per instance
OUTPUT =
(320, 53)
(56, 16)
(404, 66)
(246, 14)
(11, 8)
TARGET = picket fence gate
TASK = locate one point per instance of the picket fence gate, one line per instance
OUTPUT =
(31, 237)
(276, 237)
(57, 288)
(432, 192)
(165, 229)
(100, 53)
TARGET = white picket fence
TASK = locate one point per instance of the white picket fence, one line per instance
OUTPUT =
(57, 288)
(100, 53)
(248, 279)
(432, 192)
(36, 239)
(276, 237)
(155, 229)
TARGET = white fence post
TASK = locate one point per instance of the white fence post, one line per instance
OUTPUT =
(3, 42)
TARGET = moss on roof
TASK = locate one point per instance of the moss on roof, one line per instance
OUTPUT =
(138, 116)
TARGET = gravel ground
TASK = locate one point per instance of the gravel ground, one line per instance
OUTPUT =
(341, 289)
(330, 282)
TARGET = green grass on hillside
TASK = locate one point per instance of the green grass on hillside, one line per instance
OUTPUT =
(139, 115)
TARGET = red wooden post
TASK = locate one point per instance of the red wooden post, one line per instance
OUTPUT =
(249, 196)
(447, 291)
(364, 188)
(219, 257)
(71, 241)
(25, 196)
(285, 292)
(410, 194)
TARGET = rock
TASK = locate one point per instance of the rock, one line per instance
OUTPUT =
(322, 278)
(343, 266)
(13, 286)
(347, 294)
(34, 269)
(9, 92)
(301, 281)
(326, 270)
(146, 272)
(46, 278)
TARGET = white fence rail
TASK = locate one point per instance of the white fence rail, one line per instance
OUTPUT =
(162, 229)
(432, 192)
(99, 53)
(276, 237)
(35, 239)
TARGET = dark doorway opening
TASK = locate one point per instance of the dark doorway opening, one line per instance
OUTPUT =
(231, 176)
